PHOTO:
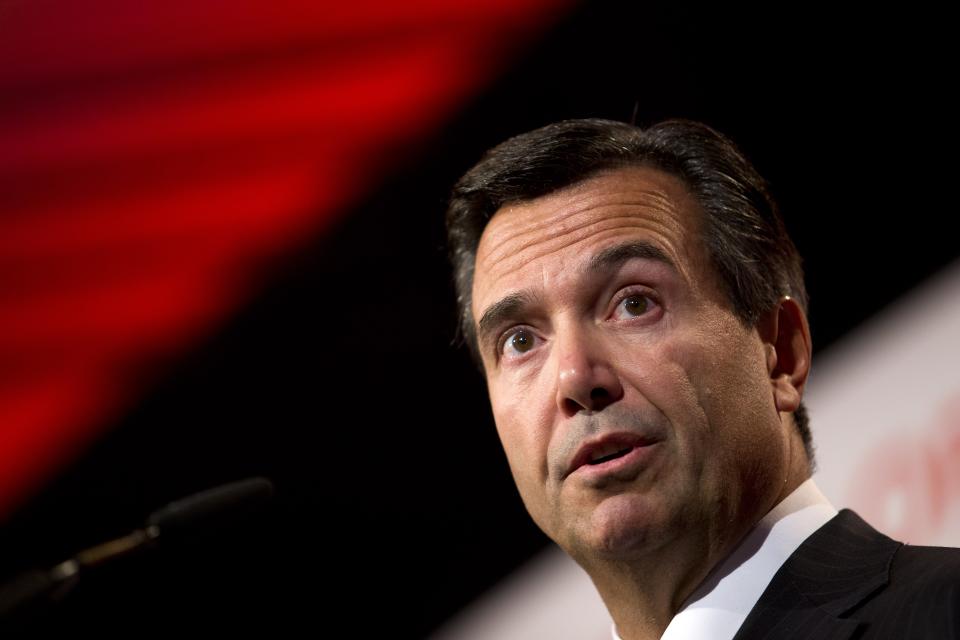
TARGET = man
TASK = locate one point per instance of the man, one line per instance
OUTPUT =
(639, 313)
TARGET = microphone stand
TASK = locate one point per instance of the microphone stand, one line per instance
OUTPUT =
(214, 506)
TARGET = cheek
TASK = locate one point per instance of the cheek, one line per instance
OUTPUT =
(697, 381)
(525, 456)
(739, 433)
(523, 425)
(521, 410)
(667, 375)
(723, 366)
(740, 384)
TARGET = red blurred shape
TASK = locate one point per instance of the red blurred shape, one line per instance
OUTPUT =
(156, 156)
(909, 484)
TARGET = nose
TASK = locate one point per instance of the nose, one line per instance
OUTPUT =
(586, 379)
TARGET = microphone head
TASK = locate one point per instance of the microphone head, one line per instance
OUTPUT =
(212, 508)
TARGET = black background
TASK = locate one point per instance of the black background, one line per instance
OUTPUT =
(395, 506)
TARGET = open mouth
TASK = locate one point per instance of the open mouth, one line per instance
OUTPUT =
(611, 456)
(612, 453)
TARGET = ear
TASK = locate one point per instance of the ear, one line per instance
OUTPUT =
(786, 338)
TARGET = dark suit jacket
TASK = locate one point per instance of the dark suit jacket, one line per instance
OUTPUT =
(848, 581)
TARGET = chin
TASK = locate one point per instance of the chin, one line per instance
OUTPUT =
(623, 525)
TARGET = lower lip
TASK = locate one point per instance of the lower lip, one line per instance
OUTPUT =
(626, 467)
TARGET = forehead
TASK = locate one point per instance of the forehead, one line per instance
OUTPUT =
(540, 242)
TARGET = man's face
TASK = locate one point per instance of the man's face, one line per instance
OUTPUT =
(634, 407)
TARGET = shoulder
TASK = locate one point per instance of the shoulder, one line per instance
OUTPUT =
(848, 578)
(909, 567)
(926, 567)
(921, 598)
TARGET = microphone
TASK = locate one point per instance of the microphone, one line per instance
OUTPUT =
(213, 508)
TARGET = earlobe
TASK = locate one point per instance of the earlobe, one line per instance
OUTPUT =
(786, 338)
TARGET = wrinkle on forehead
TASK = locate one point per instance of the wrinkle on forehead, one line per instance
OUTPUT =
(575, 208)
(612, 205)
(533, 244)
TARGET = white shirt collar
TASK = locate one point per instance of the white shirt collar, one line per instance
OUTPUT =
(718, 607)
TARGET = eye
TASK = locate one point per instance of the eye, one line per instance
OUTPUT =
(517, 342)
(634, 305)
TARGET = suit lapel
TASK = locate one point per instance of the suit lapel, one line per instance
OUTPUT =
(836, 569)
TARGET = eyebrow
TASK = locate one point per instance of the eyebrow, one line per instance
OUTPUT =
(609, 259)
(612, 257)
(499, 312)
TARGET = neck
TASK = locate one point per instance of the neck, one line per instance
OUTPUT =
(643, 593)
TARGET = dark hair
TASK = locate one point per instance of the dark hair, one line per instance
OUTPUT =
(743, 231)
